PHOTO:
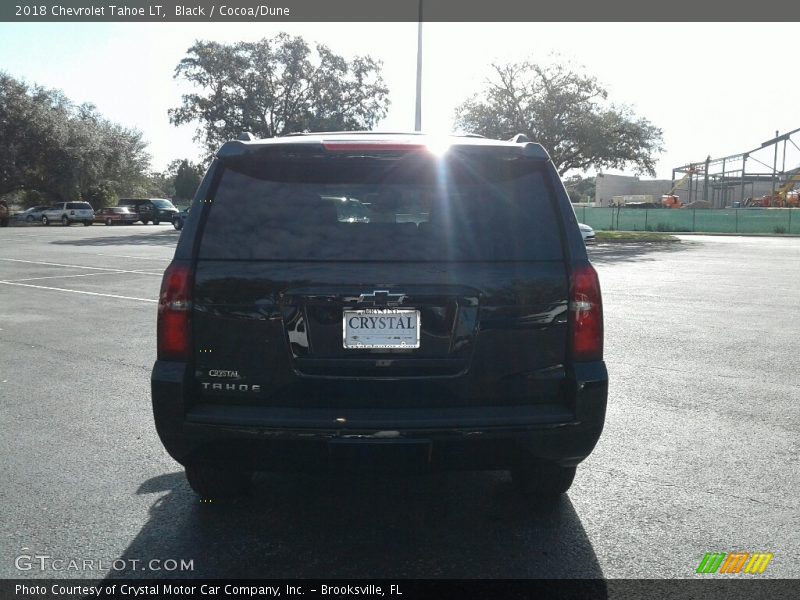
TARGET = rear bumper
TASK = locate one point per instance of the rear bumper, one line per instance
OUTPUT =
(272, 438)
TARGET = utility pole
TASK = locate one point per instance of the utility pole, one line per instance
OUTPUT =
(774, 168)
(744, 166)
(418, 115)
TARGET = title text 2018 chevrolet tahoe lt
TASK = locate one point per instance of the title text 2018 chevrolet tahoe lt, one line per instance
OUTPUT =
(392, 300)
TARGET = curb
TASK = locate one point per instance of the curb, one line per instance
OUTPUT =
(723, 234)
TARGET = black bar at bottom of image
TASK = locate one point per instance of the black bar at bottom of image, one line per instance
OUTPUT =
(399, 589)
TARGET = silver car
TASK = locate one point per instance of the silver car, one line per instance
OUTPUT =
(69, 213)
(31, 215)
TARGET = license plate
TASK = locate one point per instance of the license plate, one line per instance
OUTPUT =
(381, 328)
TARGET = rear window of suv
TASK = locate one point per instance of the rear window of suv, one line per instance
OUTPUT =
(384, 209)
(79, 206)
(162, 203)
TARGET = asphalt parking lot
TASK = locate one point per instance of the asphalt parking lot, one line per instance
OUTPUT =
(699, 454)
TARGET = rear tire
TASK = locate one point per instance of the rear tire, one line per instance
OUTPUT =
(45, 220)
(217, 482)
(543, 482)
(156, 221)
(108, 221)
(177, 224)
(145, 221)
(65, 221)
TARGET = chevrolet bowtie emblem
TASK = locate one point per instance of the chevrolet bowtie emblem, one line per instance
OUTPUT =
(381, 298)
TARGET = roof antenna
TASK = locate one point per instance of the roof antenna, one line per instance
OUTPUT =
(520, 138)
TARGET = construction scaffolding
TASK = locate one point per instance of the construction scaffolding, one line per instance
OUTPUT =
(727, 181)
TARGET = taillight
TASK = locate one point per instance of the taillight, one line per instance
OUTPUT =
(586, 314)
(174, 309)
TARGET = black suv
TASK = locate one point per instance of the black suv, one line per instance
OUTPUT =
(392, 301)
(152, 210)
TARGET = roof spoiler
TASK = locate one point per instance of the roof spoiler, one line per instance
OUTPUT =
(236, 146)
(529, 148)
(241, 145)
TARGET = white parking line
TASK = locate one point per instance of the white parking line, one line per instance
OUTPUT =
(49, 264)
(169, 258)
(42, 287)
(61, 276)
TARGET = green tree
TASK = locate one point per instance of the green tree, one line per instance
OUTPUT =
(274, 87)
(32, 128)
(160, 184)
(179, 181)
(99, 196)
(64, 151)
(567, 112)
(187, 179)
(580, 188)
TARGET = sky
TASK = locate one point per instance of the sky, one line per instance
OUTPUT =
(713, 88)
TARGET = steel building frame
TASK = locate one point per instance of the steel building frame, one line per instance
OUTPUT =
(734, 175)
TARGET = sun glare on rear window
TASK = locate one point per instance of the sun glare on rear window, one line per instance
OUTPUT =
(403, 209)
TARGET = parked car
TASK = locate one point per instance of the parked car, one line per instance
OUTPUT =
(69, 213)
(178, 219)
(153, 210)
(5, 215)
(31, 215)
(459, 326)
(116, 215)
(587, 232)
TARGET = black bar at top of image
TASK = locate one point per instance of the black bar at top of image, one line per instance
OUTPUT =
(382, 589)
(677, 11)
